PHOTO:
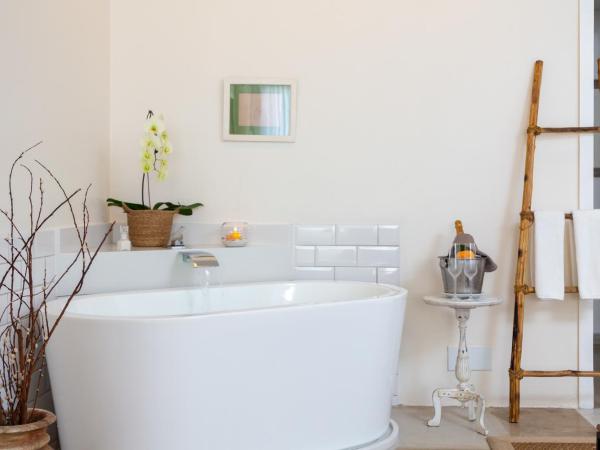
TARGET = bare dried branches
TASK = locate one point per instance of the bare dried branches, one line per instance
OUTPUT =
(25, 328)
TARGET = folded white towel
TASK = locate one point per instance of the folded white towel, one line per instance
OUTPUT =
(586, 227)
(549, 241)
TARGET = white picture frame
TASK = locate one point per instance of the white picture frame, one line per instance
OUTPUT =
(259, 109)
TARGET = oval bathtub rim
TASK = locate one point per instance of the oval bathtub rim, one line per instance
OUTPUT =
(393, 293)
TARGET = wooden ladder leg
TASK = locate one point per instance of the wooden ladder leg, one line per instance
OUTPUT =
(515, 399)
(515, 360)
(515, 373)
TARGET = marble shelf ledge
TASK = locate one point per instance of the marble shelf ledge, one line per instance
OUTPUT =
(187, 248)
(112, 248)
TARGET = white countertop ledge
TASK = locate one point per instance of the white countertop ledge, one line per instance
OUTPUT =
(112, 248)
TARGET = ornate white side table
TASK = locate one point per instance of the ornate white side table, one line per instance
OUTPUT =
(464, 392)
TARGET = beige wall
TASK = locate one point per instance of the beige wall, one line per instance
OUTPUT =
(409, 112)
(54, 87)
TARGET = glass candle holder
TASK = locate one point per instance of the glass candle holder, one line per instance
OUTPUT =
(234, 234)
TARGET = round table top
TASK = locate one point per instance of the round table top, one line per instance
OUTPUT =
(458, 303)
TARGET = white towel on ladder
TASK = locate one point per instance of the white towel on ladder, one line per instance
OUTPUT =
(586, 227)
(549, 252)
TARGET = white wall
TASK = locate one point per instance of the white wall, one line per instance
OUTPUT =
(54, 87)
(409, 112)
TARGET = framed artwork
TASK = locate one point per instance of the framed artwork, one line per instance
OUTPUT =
(259, 110)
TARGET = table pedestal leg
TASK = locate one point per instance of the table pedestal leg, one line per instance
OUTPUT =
(464, 392)
(437, 409)
(481, 414)
(471, 406)
(464, 396)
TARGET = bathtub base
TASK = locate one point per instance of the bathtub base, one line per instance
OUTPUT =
(386, 442)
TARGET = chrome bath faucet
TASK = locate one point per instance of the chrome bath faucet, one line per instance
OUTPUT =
(200, 259)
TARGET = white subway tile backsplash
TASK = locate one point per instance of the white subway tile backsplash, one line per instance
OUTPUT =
(69, 240)
(379, 256)
(4, 247)
(388, 235)
(17, 282)
(348, 252)
(336, 256)
(356, 274)
(305, 255)
(315, 234)
(314, 273)
(388, 275)
(44, 244)
(41, 266)
(4, 312)
(356, 234)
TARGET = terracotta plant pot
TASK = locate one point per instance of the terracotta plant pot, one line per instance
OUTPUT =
(31, 436)
(149, 228)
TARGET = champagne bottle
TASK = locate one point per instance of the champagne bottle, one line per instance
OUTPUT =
(466, 242)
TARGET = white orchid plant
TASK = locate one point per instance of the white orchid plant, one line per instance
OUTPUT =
(156, 147)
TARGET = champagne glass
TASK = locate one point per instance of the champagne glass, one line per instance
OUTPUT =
(470, 270)
(455, 265)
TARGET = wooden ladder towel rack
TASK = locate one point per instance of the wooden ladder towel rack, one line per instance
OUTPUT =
(516, 372)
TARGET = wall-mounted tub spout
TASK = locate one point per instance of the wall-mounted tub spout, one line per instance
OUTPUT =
(200, 259)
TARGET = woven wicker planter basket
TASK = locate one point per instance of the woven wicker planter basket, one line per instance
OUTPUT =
(149, 228)
(31, 436)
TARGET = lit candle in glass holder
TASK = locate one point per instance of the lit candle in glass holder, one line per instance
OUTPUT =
(234, 234)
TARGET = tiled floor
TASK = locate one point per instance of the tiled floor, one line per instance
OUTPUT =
(591, 415)
(457, 433)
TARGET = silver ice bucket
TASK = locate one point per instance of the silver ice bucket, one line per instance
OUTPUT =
(463, 285)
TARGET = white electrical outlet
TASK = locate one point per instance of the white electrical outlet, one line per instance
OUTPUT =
(480, 358)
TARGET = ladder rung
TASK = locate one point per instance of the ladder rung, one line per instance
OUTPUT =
(559, 373)
(540, 130)
(531, 289)
(529, 215)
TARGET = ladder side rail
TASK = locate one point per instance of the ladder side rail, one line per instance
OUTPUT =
(521, 289)
(524, 227)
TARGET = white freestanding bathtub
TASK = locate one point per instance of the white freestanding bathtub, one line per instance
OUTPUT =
(266, 366)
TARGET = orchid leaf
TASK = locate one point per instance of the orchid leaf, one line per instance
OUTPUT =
(184, 210)
(119, 203)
